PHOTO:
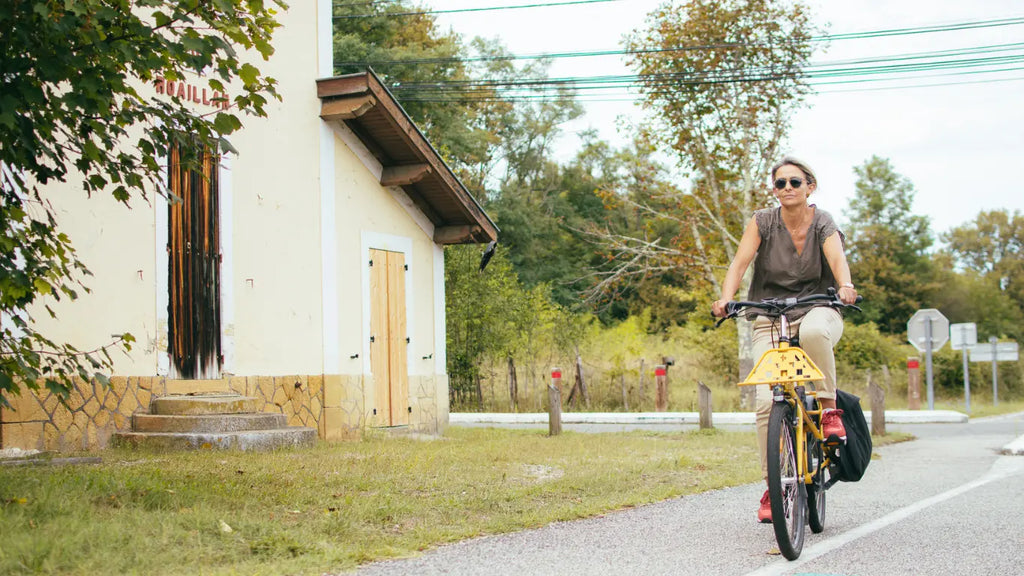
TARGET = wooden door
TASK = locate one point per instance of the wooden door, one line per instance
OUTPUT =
(388, 339)
(194, 269)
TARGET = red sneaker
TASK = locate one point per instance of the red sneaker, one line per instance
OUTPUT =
(832, 424)
(764, 513)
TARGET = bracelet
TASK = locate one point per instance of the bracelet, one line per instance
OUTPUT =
(847, 285)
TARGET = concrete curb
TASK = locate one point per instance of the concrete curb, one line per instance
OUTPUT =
(683, 418)
(1015, 448)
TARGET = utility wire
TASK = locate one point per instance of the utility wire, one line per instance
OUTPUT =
(461, 10)
(512, 91)
(863, 68)
(601, 53)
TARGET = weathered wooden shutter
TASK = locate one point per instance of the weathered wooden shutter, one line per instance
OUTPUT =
(194, 269)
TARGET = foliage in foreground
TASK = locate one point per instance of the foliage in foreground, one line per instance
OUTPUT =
(71, 111)
(333, 507)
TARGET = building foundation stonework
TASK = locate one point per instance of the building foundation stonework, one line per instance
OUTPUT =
(335, 405)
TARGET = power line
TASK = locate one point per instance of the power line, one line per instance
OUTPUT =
(602, 99)
(906, 64)
(938, 85)
(568, 87)
(863, 35)
(462, 10)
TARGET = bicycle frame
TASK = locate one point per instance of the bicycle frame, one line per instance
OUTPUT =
(783, 368)
(792, 473)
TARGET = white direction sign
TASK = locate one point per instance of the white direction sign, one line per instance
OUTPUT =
(918, 328)
(963, 335)
(1005, 352)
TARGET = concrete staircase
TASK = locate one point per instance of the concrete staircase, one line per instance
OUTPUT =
(212, 421)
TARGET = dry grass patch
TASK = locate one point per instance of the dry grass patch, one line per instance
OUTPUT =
(332, 507)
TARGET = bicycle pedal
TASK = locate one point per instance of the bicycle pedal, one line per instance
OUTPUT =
(834, 440)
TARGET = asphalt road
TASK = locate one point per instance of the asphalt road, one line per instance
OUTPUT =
(947, 503)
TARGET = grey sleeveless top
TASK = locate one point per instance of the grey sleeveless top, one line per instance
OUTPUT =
(779, 272)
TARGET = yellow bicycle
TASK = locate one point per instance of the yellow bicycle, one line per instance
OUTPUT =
(801, 462)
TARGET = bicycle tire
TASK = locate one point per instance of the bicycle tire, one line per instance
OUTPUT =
(816, 489)
(785, 488)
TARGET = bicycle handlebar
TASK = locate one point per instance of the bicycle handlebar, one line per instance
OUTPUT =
(777, 306)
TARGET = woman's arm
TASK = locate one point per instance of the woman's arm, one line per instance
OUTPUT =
(836, 257)
(749, 244)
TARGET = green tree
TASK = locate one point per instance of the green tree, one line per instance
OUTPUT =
(491, 315)
(409, 52)
(69, 105)
(971, 296)
(992, 245)
(887, 246)
(722, 79)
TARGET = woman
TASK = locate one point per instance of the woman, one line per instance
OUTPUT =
(797, 250)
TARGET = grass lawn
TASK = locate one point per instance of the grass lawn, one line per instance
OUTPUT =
(332, 507)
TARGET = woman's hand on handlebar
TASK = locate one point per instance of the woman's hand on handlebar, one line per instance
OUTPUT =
(848, 294)
(718, 308)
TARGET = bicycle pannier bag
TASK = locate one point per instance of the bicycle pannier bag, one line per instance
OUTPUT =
(855, 456)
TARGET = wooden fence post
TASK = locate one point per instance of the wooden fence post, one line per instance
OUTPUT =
(640, 386)
(579, 387)
(877, 409)
(704, 401)
(661, 379)
(625, 394)
(913, 383)
(513, 385)
(555, 403)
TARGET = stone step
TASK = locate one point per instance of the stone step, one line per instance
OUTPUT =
(198, 404)
(207, 423)
(251, 440)
(197, 386)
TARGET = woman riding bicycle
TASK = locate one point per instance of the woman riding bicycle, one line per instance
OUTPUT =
(797, 250)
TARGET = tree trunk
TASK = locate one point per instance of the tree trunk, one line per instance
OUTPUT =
(513, 385)
(640, 386)
(625, 397)
(744, 337)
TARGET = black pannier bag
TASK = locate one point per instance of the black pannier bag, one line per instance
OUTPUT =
(855, 455)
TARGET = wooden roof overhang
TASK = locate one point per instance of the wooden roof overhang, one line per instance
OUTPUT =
(363, 104)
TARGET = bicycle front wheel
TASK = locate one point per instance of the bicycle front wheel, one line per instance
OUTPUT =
(785, 486)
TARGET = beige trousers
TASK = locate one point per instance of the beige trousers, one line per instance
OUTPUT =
(819, 331)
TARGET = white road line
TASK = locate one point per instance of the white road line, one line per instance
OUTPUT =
(1003, 467)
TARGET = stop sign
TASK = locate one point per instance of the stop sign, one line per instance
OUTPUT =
(917, 329)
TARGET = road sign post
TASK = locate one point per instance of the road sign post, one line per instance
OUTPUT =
(928, 331)
(995, 352)
(963, 337)
(928, 365)
(992, 340)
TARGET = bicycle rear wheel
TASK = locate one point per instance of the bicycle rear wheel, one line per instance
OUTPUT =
(816, 489)
(785, 487)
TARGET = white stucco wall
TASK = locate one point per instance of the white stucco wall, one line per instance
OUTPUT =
(294, 280)
(277, 280)
(369, 216)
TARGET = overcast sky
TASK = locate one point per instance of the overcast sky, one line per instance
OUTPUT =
(961, 145)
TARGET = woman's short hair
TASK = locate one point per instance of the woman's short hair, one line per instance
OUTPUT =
(791, 161)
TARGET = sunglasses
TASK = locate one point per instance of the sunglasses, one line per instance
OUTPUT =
(793, 182)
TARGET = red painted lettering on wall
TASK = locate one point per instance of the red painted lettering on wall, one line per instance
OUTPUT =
(182, 90)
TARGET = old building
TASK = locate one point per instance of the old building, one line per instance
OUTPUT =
(306, 271)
